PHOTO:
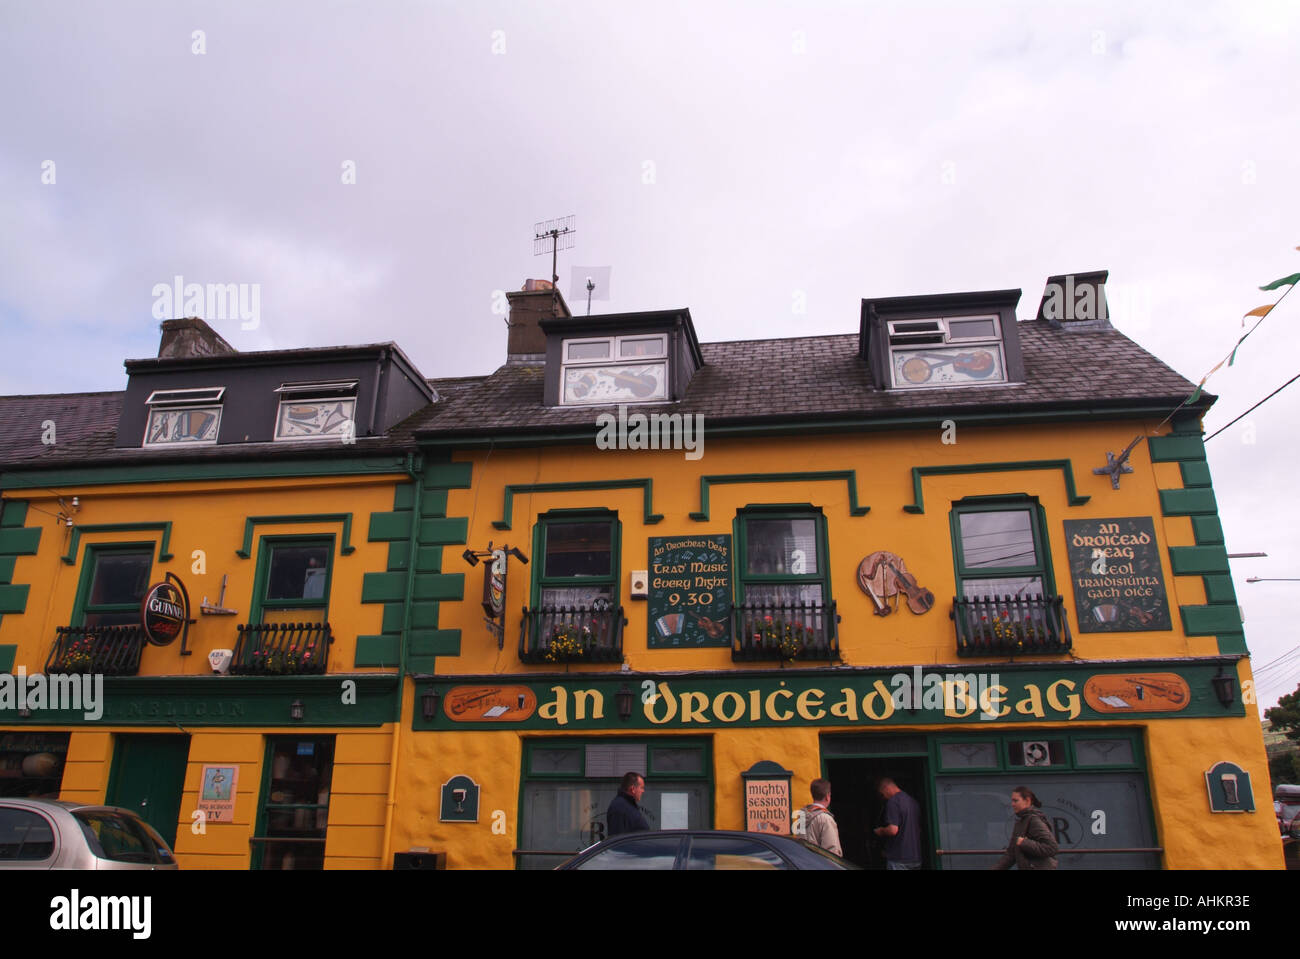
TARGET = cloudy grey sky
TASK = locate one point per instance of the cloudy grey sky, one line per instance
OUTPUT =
(765, 164)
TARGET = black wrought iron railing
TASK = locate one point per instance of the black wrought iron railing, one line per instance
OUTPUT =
(785, 631)
(108, 650)
(282, 649)
(572, 634)
(1011, 625)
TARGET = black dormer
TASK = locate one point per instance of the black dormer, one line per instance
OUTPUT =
(619, 358)
(946, 341)
(193, 394)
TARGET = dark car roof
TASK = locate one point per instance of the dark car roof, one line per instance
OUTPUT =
(792, 846)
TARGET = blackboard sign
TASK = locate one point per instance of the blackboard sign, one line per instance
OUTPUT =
(1115, 568)
(690, 591)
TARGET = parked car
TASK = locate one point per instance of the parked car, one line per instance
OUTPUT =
(1286, 804)
(50, 834)
(696, 849)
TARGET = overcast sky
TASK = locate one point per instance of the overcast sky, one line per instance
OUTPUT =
(375, 170)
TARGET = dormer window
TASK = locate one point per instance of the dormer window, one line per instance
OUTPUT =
(946, 351)
(615, 369)
(184, 417)
(319, 410)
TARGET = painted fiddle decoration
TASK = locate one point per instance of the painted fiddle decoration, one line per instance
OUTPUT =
(919, 599)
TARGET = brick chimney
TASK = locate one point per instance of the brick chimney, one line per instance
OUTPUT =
(191, 337)
(1076, 302)
(537, 301)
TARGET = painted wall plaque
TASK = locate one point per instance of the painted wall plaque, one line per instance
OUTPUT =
(478, 704)
(689, 601)
(1115, 568)
(767, 798)
(217, 792)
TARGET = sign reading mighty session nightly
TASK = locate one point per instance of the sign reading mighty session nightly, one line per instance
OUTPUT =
(690, 591)
(1115, 569)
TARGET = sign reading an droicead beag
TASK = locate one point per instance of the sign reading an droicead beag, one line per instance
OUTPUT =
(1115, 569)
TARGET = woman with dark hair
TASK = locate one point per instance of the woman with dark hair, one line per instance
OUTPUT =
(1033, 844)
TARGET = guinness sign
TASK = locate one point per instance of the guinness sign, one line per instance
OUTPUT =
(165, 612)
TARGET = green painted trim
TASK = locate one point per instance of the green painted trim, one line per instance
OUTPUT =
(645, 485)
(448, 475)
(399, 556)
(433, 503)
(1176, 447)
(435, 642)
(1065, 466)
(245, 551)
(438, 586)
(404, 496)
(20, 542)
(998, 504)
(451, 531)
(242, 701)
(539, 579)
(1233, 643)
(394, 617)
(742, 580)
(424, 615)
(1195, 560)
(13, 599)
(13, 513)
(1195, 473)
(385, 527)
(8, 653)
(1210, 620)
(164, 553)
(428, 559)
(1188, 502)
(80, 603)
(404, 464)
(850, 477)
(378, 651)
(1218, 589)
(383, 587)
(1208, 530)
(7, 568)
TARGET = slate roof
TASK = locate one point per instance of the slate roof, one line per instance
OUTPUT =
(824, 378)
(819, 378)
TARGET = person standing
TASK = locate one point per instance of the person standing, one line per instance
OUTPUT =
(624, 813)
(902, 829)
(1033, 844)
(819, 825)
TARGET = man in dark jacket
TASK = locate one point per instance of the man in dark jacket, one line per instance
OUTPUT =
(624, 814)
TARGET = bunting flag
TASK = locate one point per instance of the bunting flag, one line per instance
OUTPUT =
(1291, 280)
(1257, 311)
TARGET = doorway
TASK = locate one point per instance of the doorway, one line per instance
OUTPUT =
(148, 778)
(858, 808)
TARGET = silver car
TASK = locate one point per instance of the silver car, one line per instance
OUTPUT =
(51, 834)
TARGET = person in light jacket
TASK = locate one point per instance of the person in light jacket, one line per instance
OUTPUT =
(819, 825)
(1033, 844)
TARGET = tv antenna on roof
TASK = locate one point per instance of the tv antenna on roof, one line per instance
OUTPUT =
(559, 234)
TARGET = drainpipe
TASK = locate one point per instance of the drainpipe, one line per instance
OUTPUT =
(413, 468)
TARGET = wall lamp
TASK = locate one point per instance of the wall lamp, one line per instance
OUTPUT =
(624, 697)
(472, 556)
(429, 701)
(1225, 688)
(296, 710)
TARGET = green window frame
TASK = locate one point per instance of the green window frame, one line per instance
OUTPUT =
(1004, 749)
(262, 603)
(773, 574)
(980, 546)
(557, 534)
(293, 806)
(85, 609)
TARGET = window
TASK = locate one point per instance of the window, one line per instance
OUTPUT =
(114, 580)
(946, 351)
(184, 417)
(615, 369)
(1001, 550)
(295, 803)
(25, 836)
(309, 411)
(579, 561)
(293, 580)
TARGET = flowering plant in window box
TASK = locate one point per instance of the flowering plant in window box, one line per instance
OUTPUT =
(787, 639)
(567, 643)
(1005, 630)
(79, 657)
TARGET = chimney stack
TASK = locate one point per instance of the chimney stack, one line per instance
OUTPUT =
(1076, 302)
(539, 300)
(191, 337)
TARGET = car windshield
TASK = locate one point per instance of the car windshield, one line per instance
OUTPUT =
(121, 838)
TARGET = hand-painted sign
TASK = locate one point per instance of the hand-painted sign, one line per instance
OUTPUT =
(217, 792)
(843, 697)
(1115, 568)
(689, 602)
(767, 798)
(164, 612)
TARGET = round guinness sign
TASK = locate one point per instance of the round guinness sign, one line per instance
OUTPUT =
(163, 614)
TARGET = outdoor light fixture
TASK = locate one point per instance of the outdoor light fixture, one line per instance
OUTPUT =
(1225, 688)
(624, 697)
(296, 710)
(470, 557)
(429, 701)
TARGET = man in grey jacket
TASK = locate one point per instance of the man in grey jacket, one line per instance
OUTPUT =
(819, 825)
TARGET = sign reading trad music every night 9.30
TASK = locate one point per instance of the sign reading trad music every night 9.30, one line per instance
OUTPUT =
(689, 597)
(1115, 568)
